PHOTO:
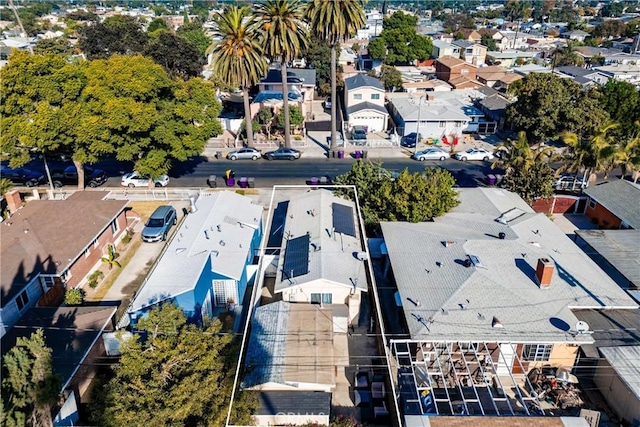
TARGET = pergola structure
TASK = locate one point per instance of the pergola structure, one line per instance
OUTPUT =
(470, 378)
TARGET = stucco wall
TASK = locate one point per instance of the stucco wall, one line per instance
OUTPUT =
(605, 218)
(616, 393)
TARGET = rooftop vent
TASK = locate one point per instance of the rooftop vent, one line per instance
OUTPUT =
(180, 250)
(192, 204)
(447, 243)
(473, 260)
(495, 323)
(510, 215)
(501, 235)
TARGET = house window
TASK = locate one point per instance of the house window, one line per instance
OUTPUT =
(375, 96)
(537, 352)
(224, 291)
(95, 243)
(114, 226)
(22, 300)
(47, 281)
(442, 124)
(357, 96)
(87, 252)
(324, 298)
(592, 204)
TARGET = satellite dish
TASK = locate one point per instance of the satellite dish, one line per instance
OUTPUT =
(362, 256)
(582, 327)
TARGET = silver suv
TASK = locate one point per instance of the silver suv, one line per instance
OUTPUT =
(159, 223)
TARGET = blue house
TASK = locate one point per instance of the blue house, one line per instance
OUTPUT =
(210, 261)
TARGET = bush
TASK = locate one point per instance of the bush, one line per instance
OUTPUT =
(74, 296)
(95, 277)
(128, 235)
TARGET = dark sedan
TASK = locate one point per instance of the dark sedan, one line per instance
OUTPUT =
(283, 154)
(409, 140)
(24, 176)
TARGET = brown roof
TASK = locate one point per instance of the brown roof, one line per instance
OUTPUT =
(48, 235)
(487, 31)
(451, 61)
(490, 70)
(511, 77)
(489, 421)
(491, 76)
(458, 82)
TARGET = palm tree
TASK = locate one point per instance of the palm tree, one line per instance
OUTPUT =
(594, 154)
(111, 258)
(518, 154)
(627, 157)
(5, 186)
(238, 57)
(335, 21)
(285, 36)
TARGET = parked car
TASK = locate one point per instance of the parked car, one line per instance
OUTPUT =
(134, 179)
(359, 135)
(568, 181)
(283, 154)
(432, 153)
(474, 154)
(69, 176)
(339, 139)
(410, 140)
(327, 102)
(249, 153)
(22, 176)
(159, 223)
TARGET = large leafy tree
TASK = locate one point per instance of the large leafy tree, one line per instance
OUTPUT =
(285, 37)
(622, 101)
(195, 34)
(391, 78)
(120, 34)
(177, 55)
(335, 22)
(181, 374)
(30, 388)
(399, 43)
(125, 105)
(527, 170)
(548, 105)
(238, 56)
(408, 196)
(318, 56)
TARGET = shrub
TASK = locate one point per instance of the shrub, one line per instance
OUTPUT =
(95, 277)
(128, 235)
(74, 296)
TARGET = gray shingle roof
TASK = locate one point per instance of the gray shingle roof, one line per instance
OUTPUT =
(366, 106)
(330, 259)
(362, 80)
(443, 299)
(612, 327)
(624, 360)
(621, 198)
(198, 242)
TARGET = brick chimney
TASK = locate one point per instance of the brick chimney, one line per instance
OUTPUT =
(14, 202)
(544, 272)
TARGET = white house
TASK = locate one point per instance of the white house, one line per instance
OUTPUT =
(364, 99)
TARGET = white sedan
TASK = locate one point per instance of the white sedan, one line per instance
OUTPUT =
(135, 179)
(474, 154)
(433, 153)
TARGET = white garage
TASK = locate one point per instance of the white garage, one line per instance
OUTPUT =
(373, 116)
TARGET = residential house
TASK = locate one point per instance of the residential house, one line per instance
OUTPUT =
(496, 77)
(576, 35)
(433, 85)
(366, 63)
(73, 335)
(322, 230)
(626, 73)
(444, 48)
(486, 293)
(439, 113)
(513, 40)
(473, 36)
(448, 68)
(494, 106)
(584, 76)
(276, 408)
(49, 245)
(463, 82)
(617, 252)
(614, 204)
(471, 52)
(611, 362)
(530, 68)
(209, 262)
(509, 58)
(364, 102)
(301, 83)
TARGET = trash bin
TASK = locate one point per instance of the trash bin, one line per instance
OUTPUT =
(341, 154)
(251, 182)
(364, 153)
(231, 182)
(314, 181)
(212, 181)
(243, 182)
(492, 179)
(218, 155)
(357, 154)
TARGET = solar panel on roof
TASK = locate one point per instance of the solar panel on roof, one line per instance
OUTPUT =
(296, 257)
(343, 219)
